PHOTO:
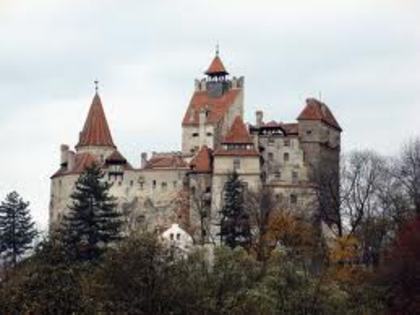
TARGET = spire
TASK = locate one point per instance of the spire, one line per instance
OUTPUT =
(216, 67)
(96, 130)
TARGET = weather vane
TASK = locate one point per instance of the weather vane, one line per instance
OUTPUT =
(217, 49)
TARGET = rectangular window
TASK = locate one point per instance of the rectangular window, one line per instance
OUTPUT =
(277, 175)
(270, 156)
(154, 184)
(287, 142)
(236, 164)
(270, 141)
(195, 134)
(164, 186)
(295, 176)
(293, 199)
(286, 157)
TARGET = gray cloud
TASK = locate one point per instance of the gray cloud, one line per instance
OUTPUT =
(363, 57)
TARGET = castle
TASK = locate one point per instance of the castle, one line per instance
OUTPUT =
(186, 186)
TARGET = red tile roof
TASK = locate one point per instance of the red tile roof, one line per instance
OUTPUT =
(116, 156)
(84, 160)
(81, 162)
(96, 130)
(238, 133)
(237, 142)
(216, 106)
(202, 162)
(166, 161)
(216, 67)
(316, 110)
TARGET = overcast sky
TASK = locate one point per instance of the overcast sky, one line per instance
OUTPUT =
(362, 57)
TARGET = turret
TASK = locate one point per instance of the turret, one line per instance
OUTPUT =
(95, 137)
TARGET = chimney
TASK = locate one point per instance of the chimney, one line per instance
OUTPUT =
(259, 118)
(64, 149)
(143, 159)
(70, 160)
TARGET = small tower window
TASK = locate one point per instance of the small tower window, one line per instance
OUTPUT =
(209, 134)
(154, 184)
(287, 142)
(178, 236)
(286, 157)
(195, 134)
(293, 199)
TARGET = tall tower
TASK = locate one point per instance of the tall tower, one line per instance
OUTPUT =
(216, 101)
(95, 145)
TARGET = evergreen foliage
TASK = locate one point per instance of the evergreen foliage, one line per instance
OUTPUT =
(93, 221)
(235, 224)
(17, 230)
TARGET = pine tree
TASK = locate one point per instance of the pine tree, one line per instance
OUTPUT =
(17, 230)
(93, 221)
(234, 225)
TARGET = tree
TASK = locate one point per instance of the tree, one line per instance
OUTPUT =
(408, 172)
(45, 283)
(261, 206)
(401, 271)
(234, 224)
(92, 222)
(17, 230)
